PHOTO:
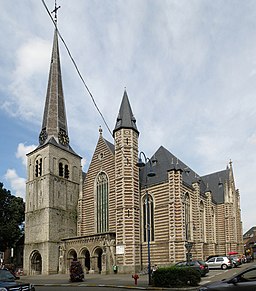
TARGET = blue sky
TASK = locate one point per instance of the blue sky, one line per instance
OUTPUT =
(189, 68)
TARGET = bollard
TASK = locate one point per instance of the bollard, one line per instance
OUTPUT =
(135, 277)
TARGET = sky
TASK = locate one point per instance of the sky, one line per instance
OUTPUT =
(188, 66)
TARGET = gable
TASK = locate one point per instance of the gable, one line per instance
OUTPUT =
(102, 158)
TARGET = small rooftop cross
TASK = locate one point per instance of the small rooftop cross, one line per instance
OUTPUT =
(55, 11)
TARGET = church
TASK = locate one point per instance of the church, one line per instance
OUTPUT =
(128, 210)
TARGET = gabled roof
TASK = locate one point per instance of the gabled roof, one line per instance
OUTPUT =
(215, 183)
(110, 145)
(250, 233)
(125, 118)
(166, 162)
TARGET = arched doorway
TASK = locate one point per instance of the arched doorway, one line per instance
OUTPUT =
(72, 254)
(98, 253)
(87, 260)
(36, 263)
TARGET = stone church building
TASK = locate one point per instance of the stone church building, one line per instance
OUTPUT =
(117, 214)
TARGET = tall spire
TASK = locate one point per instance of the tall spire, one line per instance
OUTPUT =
(54, 123)
(125, 117)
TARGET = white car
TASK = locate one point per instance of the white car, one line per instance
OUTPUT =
(219, 262)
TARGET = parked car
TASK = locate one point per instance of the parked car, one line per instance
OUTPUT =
(8, 282)
(212, 256)
(198, 265)
(245, 280)
(235, 261)
(219, 262)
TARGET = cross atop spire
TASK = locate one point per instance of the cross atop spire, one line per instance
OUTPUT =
(55, 11)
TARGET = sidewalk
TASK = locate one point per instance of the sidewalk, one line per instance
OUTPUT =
(92, 280)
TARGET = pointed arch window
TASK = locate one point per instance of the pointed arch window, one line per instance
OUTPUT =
(102, 202)
(213, 224)
(187, 211)
(148, 218)
(202, 221)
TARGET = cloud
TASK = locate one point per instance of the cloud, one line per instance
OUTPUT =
(28, 79)
(188, 66)
(252, 139)
(22, 150)
(83, 163)
(18, 184)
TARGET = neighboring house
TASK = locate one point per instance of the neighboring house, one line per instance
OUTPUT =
(249, 239)
(102, 217)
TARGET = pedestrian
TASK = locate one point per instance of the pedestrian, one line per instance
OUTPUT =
(154, 268)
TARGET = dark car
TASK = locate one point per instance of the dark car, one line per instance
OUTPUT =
(245, 280)
(198, 265)
(8, 282)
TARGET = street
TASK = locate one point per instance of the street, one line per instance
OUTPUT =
(118, 282)
(74, 288)
(218, 274)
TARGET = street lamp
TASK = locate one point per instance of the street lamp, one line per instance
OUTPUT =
(142, 164)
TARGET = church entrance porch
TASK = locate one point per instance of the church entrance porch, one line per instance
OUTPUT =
(96, 253)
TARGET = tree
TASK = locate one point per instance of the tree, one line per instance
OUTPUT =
(12, 216)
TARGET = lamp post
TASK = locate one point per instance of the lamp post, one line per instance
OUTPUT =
(142, 164)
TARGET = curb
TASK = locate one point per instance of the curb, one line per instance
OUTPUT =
(114, 286)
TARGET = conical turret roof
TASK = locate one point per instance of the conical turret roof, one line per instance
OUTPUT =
(125, 118)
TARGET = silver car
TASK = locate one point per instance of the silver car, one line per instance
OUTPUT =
(219, 262)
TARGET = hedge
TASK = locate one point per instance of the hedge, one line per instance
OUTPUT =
(175, 277)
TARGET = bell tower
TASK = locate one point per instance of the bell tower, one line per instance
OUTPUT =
(53, 181)
(127, 190)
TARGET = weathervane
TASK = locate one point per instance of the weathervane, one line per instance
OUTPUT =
(55, 11)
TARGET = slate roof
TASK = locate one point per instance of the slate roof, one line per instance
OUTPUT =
(166, 161)
(54, 117)
(110, 145)
(53, 141)
(215, 183)
(125, 118)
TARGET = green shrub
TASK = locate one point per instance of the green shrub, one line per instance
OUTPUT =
(176, 277)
